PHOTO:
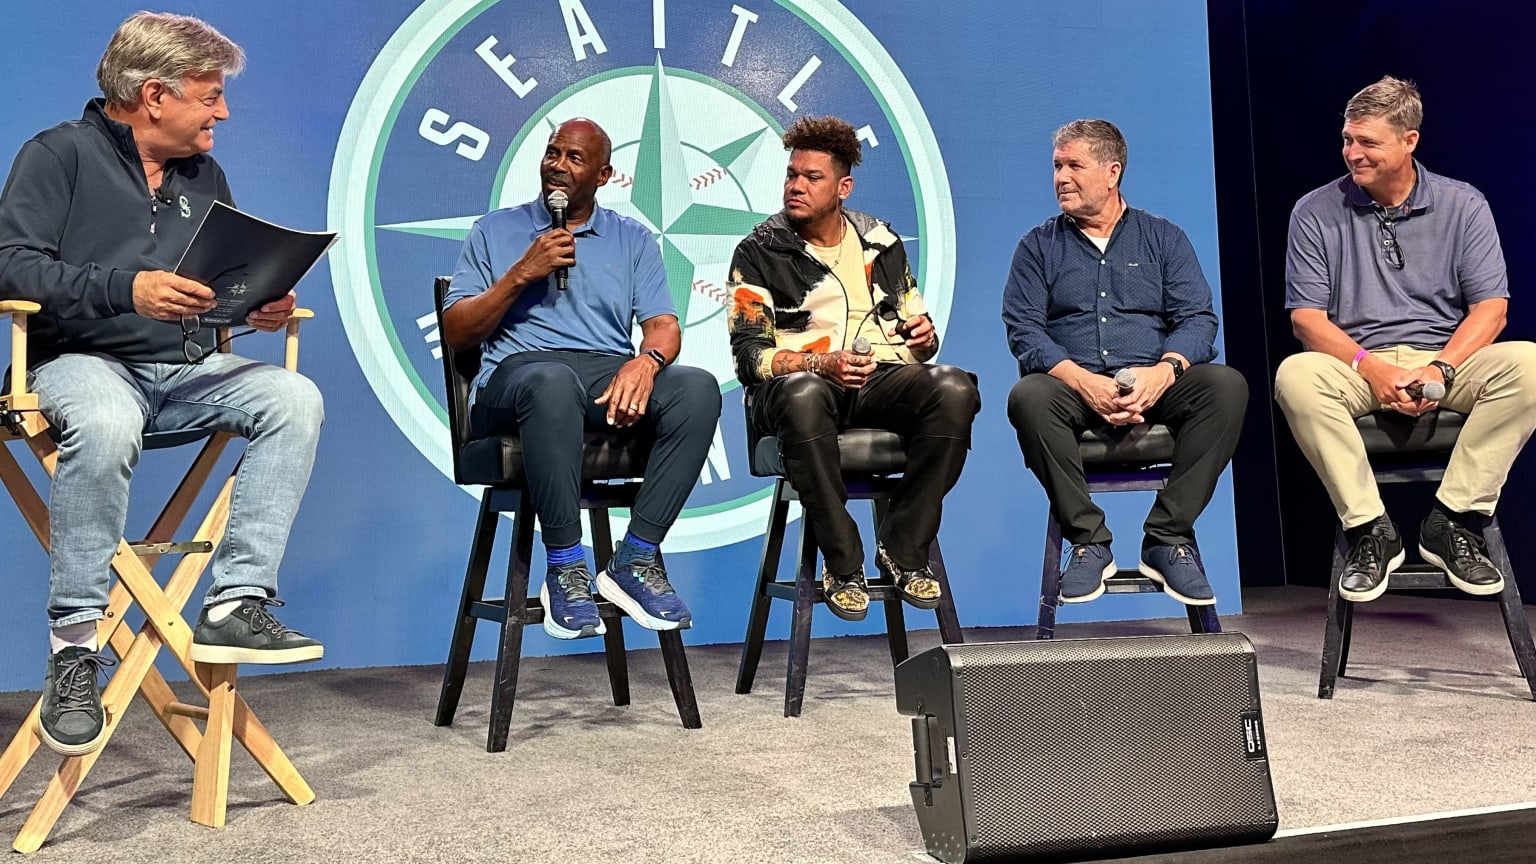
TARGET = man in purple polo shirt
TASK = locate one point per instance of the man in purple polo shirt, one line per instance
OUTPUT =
(558, 360)
(1395, 279)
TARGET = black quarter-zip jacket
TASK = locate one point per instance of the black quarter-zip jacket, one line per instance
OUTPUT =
(78, 223)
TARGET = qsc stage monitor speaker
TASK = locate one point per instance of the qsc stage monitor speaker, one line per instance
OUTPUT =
(1077, 749)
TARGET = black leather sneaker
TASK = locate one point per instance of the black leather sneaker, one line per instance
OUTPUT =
(1375, 550)
(1447, 543)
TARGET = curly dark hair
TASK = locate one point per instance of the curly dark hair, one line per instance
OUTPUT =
(830, 135)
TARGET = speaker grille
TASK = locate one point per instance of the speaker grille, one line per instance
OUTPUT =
(1105, 743)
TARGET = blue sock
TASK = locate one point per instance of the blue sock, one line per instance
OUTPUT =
(561, 557)
(632, 550)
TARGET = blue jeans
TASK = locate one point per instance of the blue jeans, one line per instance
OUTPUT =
(101, 409)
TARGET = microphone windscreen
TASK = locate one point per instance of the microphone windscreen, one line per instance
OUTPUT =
(862, 346)
(558, 200)
(1125, 379)
(1434, 391)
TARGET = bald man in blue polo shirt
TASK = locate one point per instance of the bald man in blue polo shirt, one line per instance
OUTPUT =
(558, 360)
(1099, 288)
(1395, 279)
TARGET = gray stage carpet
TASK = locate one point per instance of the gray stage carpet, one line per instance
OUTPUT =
(1433, 717)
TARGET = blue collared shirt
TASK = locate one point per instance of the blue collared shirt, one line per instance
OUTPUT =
(618, 280)
(1335, 260)
(1141, 298)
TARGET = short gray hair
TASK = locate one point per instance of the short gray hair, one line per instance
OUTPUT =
(164, 46)
(1104, 140)
(1392, 99)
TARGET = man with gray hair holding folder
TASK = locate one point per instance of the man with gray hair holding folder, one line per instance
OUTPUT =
(93, 217)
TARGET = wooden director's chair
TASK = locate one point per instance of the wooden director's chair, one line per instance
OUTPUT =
(227, 716)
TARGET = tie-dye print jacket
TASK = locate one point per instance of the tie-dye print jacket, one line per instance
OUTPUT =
(784, 298)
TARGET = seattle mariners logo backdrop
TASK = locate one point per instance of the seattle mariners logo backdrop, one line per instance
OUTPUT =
(451, 121)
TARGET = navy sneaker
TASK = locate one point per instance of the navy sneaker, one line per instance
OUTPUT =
(70, 719)
(569, 611)
(641, 589)
(1179, 571)
(1088, 565)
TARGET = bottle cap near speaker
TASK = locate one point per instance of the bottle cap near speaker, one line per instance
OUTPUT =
(1079, 749)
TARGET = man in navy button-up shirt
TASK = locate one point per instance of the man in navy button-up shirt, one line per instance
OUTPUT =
(1104, 289)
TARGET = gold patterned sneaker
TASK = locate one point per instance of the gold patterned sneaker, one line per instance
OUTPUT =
(917, 587)
(847, 596)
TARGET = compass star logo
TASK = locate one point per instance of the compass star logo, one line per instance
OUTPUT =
(452, 120)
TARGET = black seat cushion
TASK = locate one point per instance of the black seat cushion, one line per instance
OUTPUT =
(864, 451)
(1388, 433)
(1132, 446)
(498, 461)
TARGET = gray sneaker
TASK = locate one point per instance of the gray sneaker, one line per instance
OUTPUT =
(71, 720)
(251, 635)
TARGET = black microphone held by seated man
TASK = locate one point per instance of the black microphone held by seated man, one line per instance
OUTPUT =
(1433, 391)
(1125, 381)
(557, 202)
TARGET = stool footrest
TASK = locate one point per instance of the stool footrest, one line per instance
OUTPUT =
(1131, 582)
(1418, 576)
(184, 547)
(182, 709)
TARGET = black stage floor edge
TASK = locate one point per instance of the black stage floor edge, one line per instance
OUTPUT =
(1507, 836)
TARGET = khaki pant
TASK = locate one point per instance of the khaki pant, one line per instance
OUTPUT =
(1495, 388)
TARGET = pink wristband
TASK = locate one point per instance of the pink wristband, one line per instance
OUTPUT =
(1355, 364)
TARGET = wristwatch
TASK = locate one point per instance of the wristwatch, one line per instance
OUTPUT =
(660, 358)
(1446, 370)
(1177, 364)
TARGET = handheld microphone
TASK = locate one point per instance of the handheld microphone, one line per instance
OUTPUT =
(1433, 391)
(1125, 380)
(862, 347)
(557, 202)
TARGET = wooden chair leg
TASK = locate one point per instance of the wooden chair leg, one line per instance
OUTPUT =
(1334, 631)
(210, 775)
(1050, 581)
(510, 651)
(464, 626)
(767, 573)
(806, 583)
(614, 653)
(949, 619)
(1511, 606)
(681, 680)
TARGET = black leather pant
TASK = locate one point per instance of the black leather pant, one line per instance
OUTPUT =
(930, 406)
